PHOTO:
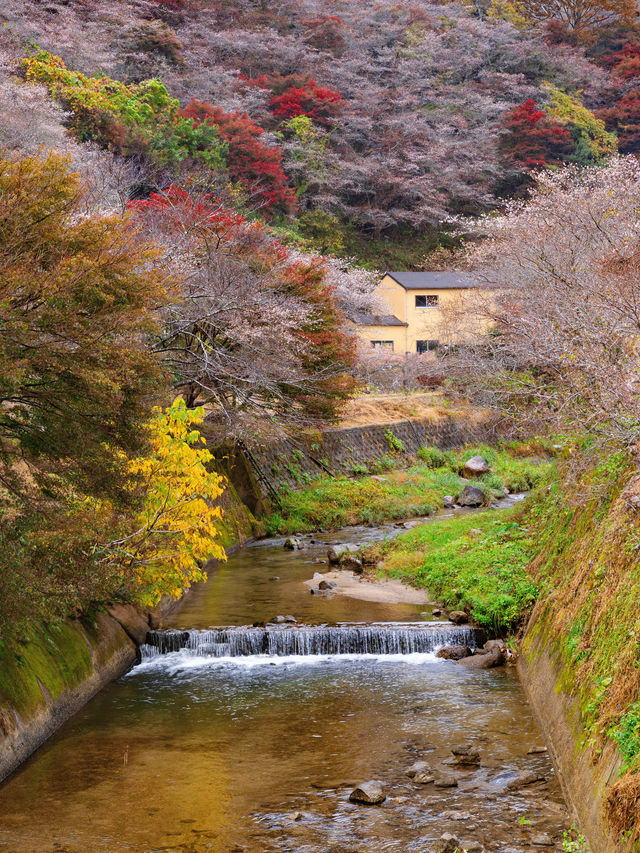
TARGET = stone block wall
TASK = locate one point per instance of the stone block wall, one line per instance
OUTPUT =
(351, 450)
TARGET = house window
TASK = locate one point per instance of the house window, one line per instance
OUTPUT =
(426, 346)
(427, 301)
(386, 345)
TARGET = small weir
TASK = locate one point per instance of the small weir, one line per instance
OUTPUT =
(387, 638)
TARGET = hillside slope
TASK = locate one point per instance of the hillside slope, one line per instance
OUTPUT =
(388, 118)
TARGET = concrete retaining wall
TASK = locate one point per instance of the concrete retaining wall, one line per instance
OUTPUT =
(53, 672)
(584, 776)
(345, 451)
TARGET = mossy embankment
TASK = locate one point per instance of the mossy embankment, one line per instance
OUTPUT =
(583, 638)
(48, 672)
(330, 503)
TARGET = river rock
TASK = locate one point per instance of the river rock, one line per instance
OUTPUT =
(536, 750)
(447, 843)
(417, 767)
(490, 645)
(336, 551)
(456, 815)
(291, 620)
(446, 781)
(424, 777)
(487, 661)
(471, 496)
(464, 755)
(370, 793)
(458, 617)
(326, 585)
(542, 841)
(351, 563)
(292, 543)
(294, 816)
(454, 652)
(436, 612)
(277, 620)
(472, 847)
(448, 501)
(527, 777)
(274, 578)
(475, 467)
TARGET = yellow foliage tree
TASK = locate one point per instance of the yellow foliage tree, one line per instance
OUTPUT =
(177, 526)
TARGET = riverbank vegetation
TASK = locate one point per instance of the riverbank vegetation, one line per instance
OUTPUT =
(476, 563)
(329, 503)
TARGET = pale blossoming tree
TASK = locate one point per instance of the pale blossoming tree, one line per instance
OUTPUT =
(562, 303)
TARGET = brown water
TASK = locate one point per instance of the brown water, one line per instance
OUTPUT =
(193, 754)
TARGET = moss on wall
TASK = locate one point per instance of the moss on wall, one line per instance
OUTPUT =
(588, 624)
(53, 658)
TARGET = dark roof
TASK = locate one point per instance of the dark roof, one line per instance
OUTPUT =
(362, 319)
(442, 280)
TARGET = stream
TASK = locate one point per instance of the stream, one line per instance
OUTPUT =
(251, 739)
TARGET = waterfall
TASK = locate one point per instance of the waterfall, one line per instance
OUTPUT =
(385, 638)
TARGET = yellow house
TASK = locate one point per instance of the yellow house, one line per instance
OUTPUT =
(421, 307)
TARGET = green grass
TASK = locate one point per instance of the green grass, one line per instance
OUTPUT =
(332, 503)
(627, 735)
(476, 563)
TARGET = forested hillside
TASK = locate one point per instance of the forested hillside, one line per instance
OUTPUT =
(371, 124)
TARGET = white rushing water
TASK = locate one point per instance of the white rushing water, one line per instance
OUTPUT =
(382, 639)
(174, 663)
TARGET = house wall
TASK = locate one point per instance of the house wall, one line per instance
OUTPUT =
(384, 333)
(424, 323)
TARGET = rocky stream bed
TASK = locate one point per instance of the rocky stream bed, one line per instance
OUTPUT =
(269, 738)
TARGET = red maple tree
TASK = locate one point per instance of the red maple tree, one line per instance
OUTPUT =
(298, 95)
(532, 139)
(256, 166)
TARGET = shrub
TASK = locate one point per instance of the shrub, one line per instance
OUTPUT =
(433, 456)
(394, 442)
(359, 470)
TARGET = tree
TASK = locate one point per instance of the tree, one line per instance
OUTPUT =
(563, 299)
(77, 294)
(256, 335)
(296, 95)
(593, 143)
(624, 119)
(177, 525)
(256, 166)
(582, 16)
(533, 139)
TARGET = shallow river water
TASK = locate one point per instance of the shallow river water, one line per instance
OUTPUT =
(193, 753)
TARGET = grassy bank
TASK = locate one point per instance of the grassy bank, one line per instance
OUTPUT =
(476, 563)
(330, 503)
(588, 569)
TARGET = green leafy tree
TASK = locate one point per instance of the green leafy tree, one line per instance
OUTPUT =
(593, 143)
